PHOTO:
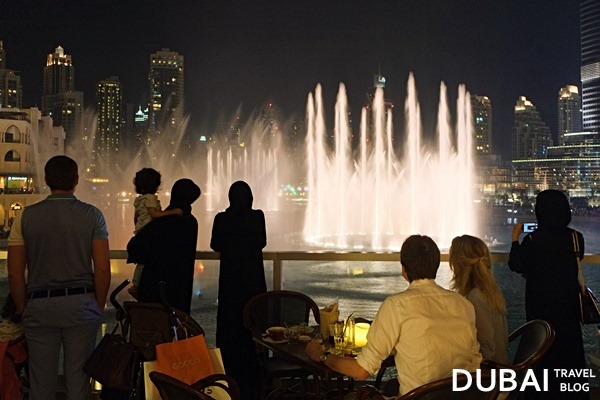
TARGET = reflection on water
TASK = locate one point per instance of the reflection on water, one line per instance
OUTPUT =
(284, 227)
(360, 287)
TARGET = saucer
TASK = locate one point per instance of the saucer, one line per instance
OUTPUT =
(269, 340)
(306, 329)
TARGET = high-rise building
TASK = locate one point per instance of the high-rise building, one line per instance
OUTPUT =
(481, 108)
(60, 100)
(140, 124)
(266, 116)
(590, 64)
(11, 91)
(531, 136)
(109, 111)
(2, 55)
(569, 112)
(379, 82)
(166, 91)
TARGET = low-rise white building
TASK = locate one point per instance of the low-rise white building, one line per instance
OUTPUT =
(27, 141)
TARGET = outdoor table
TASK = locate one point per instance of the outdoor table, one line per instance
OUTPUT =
(296, 353)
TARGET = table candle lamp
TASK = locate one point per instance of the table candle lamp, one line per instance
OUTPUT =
(360, 333)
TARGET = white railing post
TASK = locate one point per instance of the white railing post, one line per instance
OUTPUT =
(277, 272)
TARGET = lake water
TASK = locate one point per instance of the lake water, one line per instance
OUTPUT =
(359, 287)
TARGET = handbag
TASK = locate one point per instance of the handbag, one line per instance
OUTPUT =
(589, 313)
(187, 360)
(113, 362)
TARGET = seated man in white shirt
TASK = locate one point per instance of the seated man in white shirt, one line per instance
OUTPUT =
(430, 330)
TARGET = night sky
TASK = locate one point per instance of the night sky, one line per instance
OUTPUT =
(244, 53)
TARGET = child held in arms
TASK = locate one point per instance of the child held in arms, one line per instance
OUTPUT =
(147, 207)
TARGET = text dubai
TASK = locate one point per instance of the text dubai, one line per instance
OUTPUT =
(506, 380)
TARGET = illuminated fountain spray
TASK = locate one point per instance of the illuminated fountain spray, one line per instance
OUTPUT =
(372, 199)
(257, 162)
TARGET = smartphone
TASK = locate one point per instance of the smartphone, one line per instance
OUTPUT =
(529, 227)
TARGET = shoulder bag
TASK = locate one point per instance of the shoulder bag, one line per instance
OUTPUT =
(113, 362)
(588, 304)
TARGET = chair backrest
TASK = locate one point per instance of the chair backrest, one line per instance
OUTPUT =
(170, 388)
(368, 392)
(444, 389)
(218, 385)
(535, 339)
(278, 308)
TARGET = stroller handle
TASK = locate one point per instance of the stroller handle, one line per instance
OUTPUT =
(173, 319)
(115, 292)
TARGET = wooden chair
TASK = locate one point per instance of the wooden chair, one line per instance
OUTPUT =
(443, 389)
(533, 339)
(368, 392)
(278, 308)
(170, 388)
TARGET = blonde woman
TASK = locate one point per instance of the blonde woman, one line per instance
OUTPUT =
(473, 278)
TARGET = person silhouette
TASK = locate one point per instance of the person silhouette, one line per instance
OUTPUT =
(239, 234)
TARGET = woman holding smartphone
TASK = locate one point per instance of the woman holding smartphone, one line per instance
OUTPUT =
(547, 260)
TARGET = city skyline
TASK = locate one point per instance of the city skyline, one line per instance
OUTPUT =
(250, 53)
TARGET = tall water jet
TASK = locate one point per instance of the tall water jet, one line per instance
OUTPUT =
(256, 162)
(376, 199)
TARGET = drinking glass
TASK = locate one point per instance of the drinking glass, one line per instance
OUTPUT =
(337, 331)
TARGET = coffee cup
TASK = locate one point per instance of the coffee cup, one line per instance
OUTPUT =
(276, 333)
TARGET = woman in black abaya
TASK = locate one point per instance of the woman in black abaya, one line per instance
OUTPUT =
(547, 260)
(239, 234)
(167, 248)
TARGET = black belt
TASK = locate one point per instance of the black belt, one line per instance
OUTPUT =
(59, 292)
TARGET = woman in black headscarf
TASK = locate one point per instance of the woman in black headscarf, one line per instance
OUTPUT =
(239, 234)
(167, 248)
(547, 260)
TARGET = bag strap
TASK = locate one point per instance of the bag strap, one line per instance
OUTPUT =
(579, 268)
(119, 326)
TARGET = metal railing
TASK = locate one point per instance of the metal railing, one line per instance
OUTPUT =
(279, 257)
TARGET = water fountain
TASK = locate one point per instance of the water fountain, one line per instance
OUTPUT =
(369, 197)
(257, 162)
(372, 199)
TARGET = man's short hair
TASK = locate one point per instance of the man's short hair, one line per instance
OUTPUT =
(61, 173)
(420, 257)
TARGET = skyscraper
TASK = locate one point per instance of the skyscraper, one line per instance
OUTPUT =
(109, 108)
(590, 64)
(11, 91)
(166, 91)
(60, 100)
(531, 136)
(569, 112)
(481, 107)
(2, 55)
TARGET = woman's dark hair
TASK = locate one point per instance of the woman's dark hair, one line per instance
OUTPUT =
(147, 181)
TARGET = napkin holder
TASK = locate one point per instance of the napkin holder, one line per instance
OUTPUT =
(327, 318)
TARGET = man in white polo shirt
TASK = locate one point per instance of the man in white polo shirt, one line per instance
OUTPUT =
(428, 329)
(59, 275)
